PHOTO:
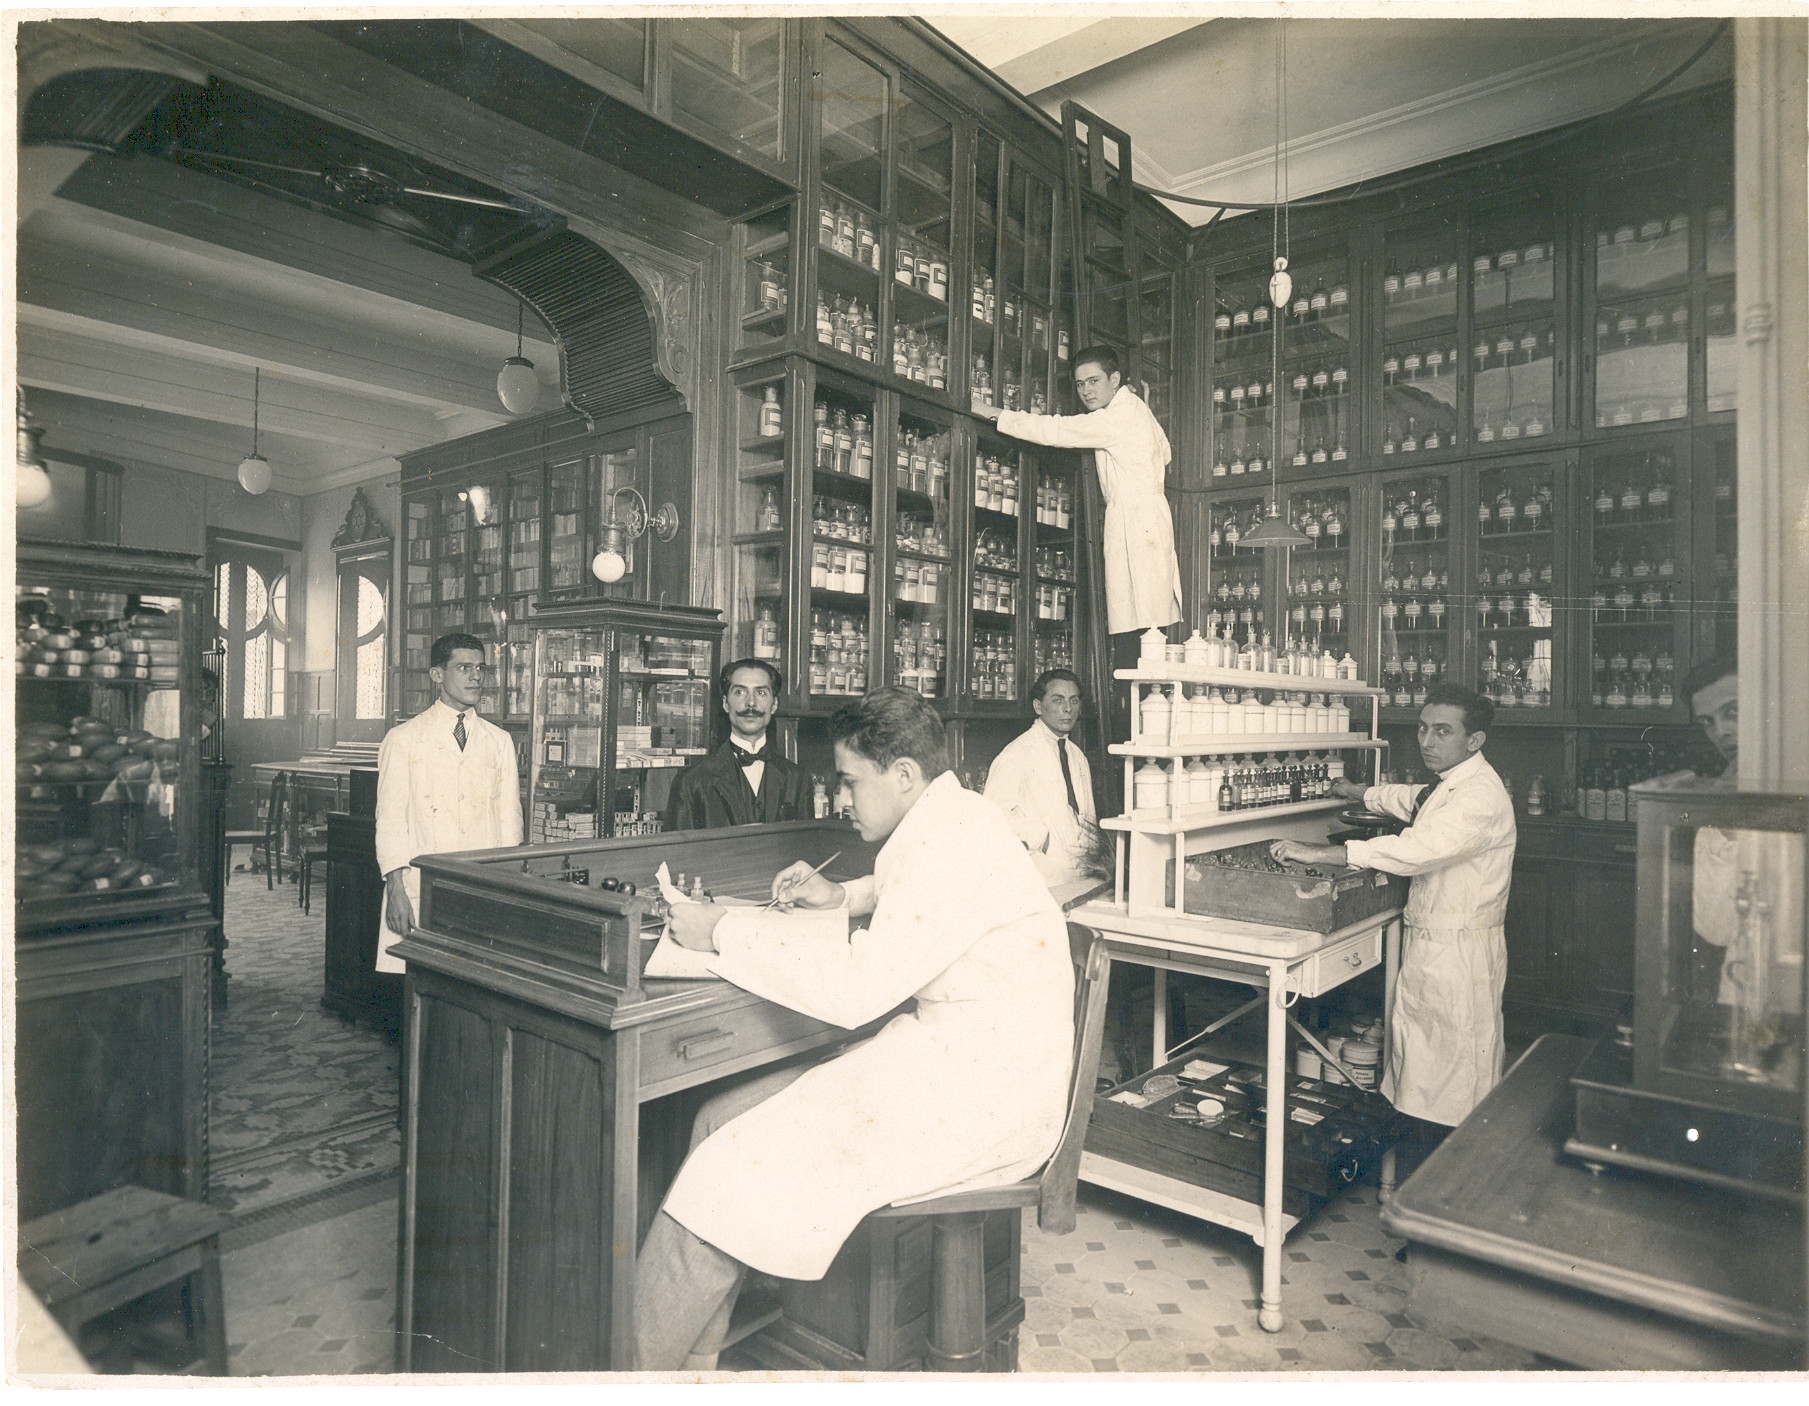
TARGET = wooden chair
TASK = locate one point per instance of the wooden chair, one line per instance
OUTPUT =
(267, 838)
(100, 1254)
(958, 1337)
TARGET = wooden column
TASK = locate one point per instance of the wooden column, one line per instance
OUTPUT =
(1771, 157)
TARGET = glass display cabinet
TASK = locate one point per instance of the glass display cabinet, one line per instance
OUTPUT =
(1514, 366)
(1417, 618)
(842, 512)
(1055, 564)
(727, 76)
(1419, 341)
(1519, 571)
(622, 702)
(1156, 332)
(997, 583)
(762, 514)
(1642, 297)
(766, 268)
(1012, 321)
(1712, 1089)
(1318, 589)
(107, 761)
(923, 580)
(1234, 580)
(1243, 382)
(1638, 587)
(1316, 363)
(923, 164)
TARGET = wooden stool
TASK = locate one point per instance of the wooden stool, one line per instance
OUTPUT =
(87, 1259)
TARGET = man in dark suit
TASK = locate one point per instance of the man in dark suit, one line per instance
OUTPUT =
(745, 781)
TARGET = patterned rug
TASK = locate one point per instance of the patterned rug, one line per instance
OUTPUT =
(303, 1103)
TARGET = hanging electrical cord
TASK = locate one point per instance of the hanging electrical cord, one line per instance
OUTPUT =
(1361, 191)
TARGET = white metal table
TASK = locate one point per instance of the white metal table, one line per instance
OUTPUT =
(1284, 964)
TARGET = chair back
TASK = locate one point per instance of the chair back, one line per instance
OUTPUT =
(1060, 1178)
(275, 813)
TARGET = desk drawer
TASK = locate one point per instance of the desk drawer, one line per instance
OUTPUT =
(1336, 965)
(722, 1042)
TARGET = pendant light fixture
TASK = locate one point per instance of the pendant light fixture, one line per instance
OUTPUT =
(1275, 530)
(31, 480)
(517, 384)
(254, 468)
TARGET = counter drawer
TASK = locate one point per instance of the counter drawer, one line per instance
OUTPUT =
(693, 1048)
(1336, 965)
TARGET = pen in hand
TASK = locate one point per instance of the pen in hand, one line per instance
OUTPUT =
(785, 895)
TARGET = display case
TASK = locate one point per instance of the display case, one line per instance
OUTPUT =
(996, 476)
(1417, 619)
(1642, 297)
(1521, 565)
(1055, 563)
(1635, 569)
(1316, 579)
(843, 499)
(107, 759)
(1515, 283)
(1013, 317)
(1713, 1088)
(921, 616)
(1235, 584)
(622, 702)
(1419, 341)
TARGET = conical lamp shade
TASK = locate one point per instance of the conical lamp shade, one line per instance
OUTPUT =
(1273, 531)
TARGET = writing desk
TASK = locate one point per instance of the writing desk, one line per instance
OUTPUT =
(1616, 1270)
(1284, 964)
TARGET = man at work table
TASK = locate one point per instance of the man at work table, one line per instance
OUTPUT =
(966, 1091)
(745, 781)
(446, 781)
(1445, 1044)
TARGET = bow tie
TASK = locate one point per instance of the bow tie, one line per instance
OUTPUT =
(747, 758)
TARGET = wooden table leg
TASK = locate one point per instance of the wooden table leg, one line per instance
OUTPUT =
(1159, 1016)
(1392, 937)
(207, 1305)
(1276, 1106)
(957, 1337)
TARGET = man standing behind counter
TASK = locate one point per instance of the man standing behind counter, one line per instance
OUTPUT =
(1042, 782)
(745, 781)
(1131, 454)
(1445, 1043)
(446, 781)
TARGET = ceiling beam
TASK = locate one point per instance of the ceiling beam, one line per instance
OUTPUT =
(1093, 46)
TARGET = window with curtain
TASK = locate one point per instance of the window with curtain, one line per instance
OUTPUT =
(251, 616)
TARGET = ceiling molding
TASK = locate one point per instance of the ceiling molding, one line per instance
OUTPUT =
(1082, 50)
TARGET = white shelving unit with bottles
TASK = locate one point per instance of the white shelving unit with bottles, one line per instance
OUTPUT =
(1187, 791)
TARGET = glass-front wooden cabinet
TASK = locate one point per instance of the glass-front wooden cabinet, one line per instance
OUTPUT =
(1420, 356)
(1317, 586)
(1236, 581)
(922, 609)
(1514, 362)
(1418, 544)
(726, 76)
(1520, 566)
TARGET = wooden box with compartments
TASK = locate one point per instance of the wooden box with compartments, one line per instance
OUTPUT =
(1243, 882)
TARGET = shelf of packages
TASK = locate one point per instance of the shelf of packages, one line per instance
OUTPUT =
(1505, 283)
(1641, 257)
(1420, 293)
(918, 581)
(1235, 744)
(1246, 678)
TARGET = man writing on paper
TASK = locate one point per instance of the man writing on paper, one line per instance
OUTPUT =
(1131, 454)
(967, 1090)
(446, 781)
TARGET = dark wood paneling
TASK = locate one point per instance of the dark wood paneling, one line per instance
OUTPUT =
(558, 1207)
(1530, 911)
(669, 479)
(455, 1243)
(1600, 950)
(353, 985)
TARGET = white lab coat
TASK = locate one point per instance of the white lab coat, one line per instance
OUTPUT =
(968, 1091)
(1131, 453)
(433, 798)
(1025, 781)
(1445, 1041)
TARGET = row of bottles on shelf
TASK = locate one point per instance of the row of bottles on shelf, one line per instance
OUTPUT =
(920, 657)
(1409, 439)
(843, 440)
(1053, 602)
(1255, 652)
(1510, 681)
(1236, 396)
(1402, 366)
(1601, 790)
(1528, 610)
(1412, 668)
(1055, 563)
(1009, 394)
(1511, 346)
(773, 288)
(1648, 323)
(1053, 650)
(1163, 720)
(848, 522)
(848, 325)
(838, 653)
(917, 583)
(835, 568)
(995, 594)
(1629, 690)
(997, 484)
(1321, 520)
(1513, 261)
(921, 533)
(1235, 320)
(1530, 511)
(1653, 232)
(920, 355)
(1250, 782)
(1411, 613)
(1054, 502)
(1015, 319)
(995, 551)
(1628, 602)
(921, 265)
(1237, 466)
(920, 464)
(1242, 623)
(1434, 280)
(851, 232)
(1320, 452)
(995, 666)
(1317, 620)
(1644, 495)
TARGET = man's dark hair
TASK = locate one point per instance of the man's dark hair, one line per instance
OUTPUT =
(1049, 676)
(1704, 675)
(890, 723)
(1478, 711)
(441, 653)
(1103, 357)
(727, 673)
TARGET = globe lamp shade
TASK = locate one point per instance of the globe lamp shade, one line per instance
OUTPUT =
(254, 474)
(609, 566)
(31, 485)
(517, 386)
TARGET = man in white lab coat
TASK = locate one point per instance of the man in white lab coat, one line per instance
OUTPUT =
(967, 1090)
(1042, 782)
(446, 781)
(1131, 453)
(1445, 1043)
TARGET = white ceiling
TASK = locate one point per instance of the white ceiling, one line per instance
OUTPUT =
(148, 293)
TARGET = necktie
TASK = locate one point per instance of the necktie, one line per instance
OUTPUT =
(747, 758)
(1061, 750)
(458, 732)
(1426, 795)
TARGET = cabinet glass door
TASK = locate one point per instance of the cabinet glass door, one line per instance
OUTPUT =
(1517, 578)
(515, 666)
(1642, 297)
(1234, 579)
(1317, 577)
(661, 721)
(418, 524)
(1054, 562)
(1416, 605)
(997, 592)
(571, 716)
(923, 581)
(1717, 573)
(1723, 348)
(1243, 383)
(452, 568)
(1039, 306)
(1419, 343)
(568, 537)
(850, 97)
(841, 539)
(766, 277)
(1513, 332)
(983, 275)
(1316, 343)
(1156, 334)
(923, 225)
(727, 75)
(1638, 565)
(762, 517)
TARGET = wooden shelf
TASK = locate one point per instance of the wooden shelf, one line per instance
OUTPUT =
(1246, 678)
(1194, 818)
(1229, 744)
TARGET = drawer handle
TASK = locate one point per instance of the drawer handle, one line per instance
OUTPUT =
(1353, 959)
(707, 1043)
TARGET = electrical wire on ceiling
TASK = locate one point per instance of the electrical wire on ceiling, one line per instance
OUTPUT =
(1362, 191)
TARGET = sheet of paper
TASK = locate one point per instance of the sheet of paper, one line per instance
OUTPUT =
(675, 962)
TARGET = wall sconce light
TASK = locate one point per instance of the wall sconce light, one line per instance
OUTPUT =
(254, 468)
(517, 384)
(618, 530)
(31, 480)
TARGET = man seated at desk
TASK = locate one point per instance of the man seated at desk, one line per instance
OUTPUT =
(1042, 782)
(745, 781)
(966, 1091)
